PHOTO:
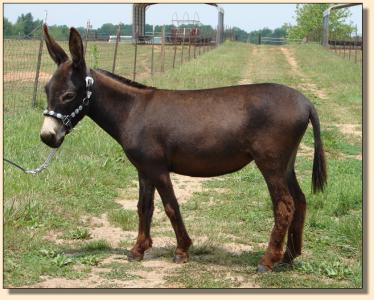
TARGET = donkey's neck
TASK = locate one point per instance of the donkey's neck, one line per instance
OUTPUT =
(112, 103)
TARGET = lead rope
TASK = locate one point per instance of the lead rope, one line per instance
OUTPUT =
(66, 120)
(38, 169)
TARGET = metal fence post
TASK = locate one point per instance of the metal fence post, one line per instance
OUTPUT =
(135, 53)
(38, 64)
(116, 47)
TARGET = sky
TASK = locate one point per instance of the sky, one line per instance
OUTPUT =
(245, 16)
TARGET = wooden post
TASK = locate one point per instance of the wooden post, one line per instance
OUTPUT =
(189, 45)
(116, 47)
(153, 50)
(194, 48)
(184, 36)
(259, 38)
(175, 52)
(162, 49)
(87, 31)
(135, 53)
(354, 47)
(38, 64)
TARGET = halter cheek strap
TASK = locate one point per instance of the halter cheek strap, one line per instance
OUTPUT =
(66, 119)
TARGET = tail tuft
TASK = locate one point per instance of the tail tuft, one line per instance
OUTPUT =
(319, 176)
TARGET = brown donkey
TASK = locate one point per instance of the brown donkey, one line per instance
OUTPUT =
(196, 133)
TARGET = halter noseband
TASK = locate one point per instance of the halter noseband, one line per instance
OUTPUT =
(66, 119)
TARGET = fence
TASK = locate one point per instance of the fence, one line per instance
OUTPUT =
(348, 47)
(28, 67)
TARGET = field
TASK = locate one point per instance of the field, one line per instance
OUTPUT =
(72, 225)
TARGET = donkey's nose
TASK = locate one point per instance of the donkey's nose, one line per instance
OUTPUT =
(48, 138)
(52, 132)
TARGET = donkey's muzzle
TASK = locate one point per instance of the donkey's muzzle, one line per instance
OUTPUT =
(52, 133)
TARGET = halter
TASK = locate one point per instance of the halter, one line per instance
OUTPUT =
(66, 119)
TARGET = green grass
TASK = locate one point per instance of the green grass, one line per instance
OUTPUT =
(90, 170)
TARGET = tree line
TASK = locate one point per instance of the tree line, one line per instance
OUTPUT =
(308, 26)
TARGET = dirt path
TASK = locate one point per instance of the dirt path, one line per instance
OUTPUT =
(307, 83)
(247, 76)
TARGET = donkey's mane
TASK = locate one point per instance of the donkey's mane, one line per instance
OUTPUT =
(123, 79)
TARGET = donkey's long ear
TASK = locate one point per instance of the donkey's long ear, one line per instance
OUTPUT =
(76, 49)
(55, 51)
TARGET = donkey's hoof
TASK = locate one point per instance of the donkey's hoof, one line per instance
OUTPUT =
(263, 269)
(134, 257)
(180, 259)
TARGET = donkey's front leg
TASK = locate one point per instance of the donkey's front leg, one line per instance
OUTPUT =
(165, 189)
(145, 212)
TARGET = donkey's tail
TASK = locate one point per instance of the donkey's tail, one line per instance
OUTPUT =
(319, 177)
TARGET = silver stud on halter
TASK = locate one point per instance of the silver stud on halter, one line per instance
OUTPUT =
(66, 119)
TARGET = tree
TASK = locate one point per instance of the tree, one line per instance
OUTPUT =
(309, 22)
(8, 28)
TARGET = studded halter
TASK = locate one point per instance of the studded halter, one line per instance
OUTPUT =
(66, 119)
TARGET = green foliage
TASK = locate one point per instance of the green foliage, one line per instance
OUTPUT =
(25, 26)
(309, 22)
(253, 36)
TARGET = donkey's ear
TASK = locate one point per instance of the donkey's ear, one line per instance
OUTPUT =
(55, 51)
(76, 49)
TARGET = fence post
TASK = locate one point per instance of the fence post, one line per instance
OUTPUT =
(86, 39)
(354, 46)
(116, 47)
(259, 38)
(135, 53)
(38, 64)
(163, 49)
(194, 48)
(189, 45)
(184, 36)
(175, 52)
(153, 49)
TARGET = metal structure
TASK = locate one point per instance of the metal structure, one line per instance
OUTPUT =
(138, 20)
(326, 16)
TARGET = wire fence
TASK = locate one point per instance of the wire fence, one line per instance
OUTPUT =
(347, 46)
(28, 67)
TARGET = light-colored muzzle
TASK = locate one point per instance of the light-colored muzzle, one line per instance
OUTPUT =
(52, 132)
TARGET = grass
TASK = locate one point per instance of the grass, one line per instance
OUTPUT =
(90, 170)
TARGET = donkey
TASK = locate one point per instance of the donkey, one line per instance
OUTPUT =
(204, 133)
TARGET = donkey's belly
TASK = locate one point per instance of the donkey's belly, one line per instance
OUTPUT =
(215, 165)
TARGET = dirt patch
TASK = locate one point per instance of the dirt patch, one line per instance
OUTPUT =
(350, 129)
(236, 248)
(305, 150)
(101, 229)
(157, 265)
(25, 76)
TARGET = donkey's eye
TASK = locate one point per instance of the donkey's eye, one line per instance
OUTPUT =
(68, 96)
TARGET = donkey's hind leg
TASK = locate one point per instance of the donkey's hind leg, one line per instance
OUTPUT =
(145, 212)
(295, 232)
(283, 209)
